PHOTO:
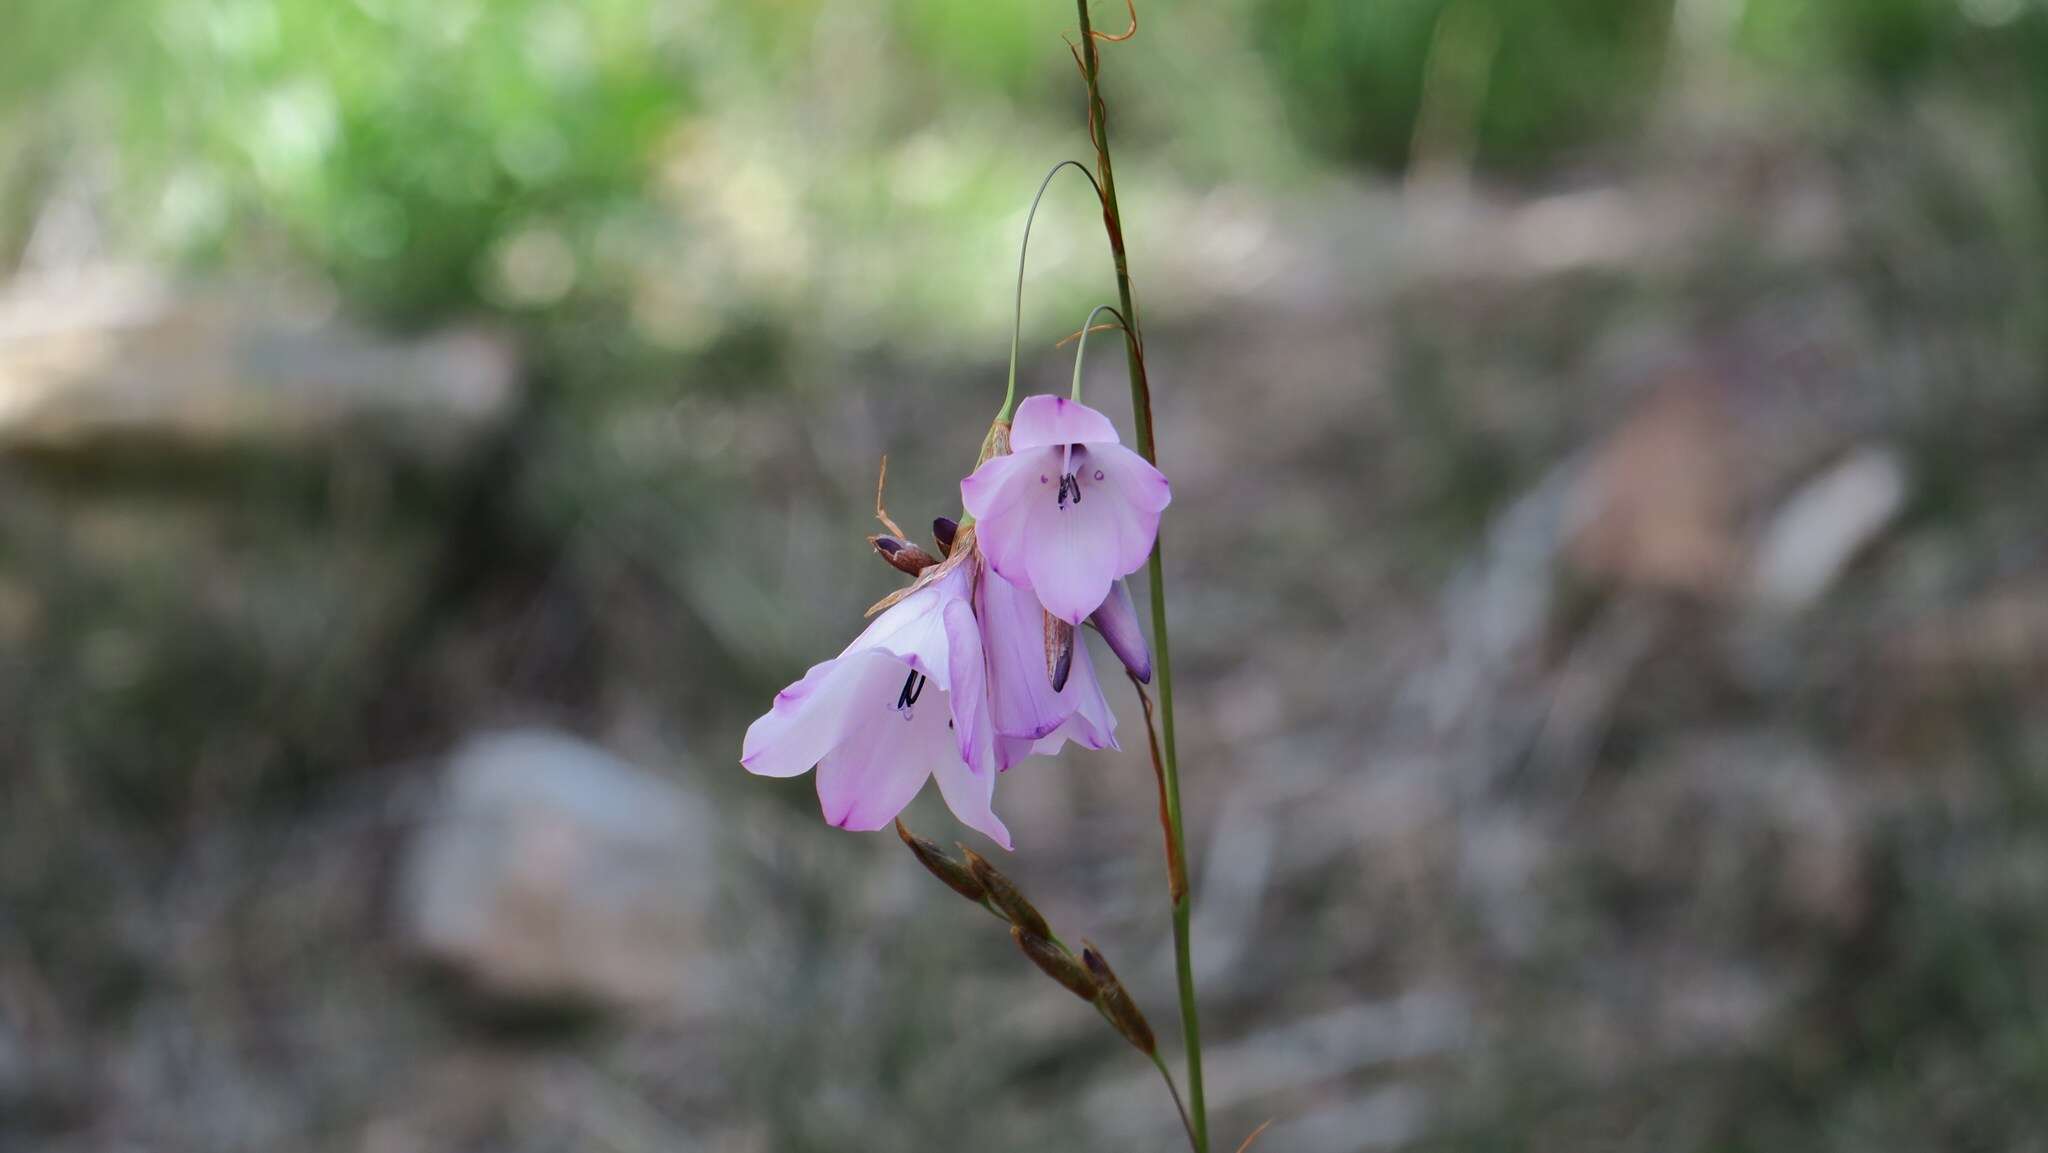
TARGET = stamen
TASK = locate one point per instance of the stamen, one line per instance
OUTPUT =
(913, 687)
(1059, 651)
(1070, 480)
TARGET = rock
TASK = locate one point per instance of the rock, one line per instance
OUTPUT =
(1823, 527)
(114, 357)
(551, 872)
(224, 510)
(1656, 509)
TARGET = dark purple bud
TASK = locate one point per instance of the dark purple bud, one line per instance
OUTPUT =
(1117, 621)
(902, 556)
(943, 529)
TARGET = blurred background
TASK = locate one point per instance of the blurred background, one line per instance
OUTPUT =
(1608, 570)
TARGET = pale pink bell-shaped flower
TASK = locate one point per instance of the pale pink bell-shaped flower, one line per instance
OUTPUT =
(1030, 717)
(907, 700)
(1069, 510)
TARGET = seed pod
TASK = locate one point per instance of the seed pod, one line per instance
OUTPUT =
(1056, 963)
(1117, 1004)
(1005, 897)
(901, 555)
(943, 529)
(938, 864)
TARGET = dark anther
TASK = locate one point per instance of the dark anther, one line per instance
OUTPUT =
(1070, 486)
(913, 688)
(1059, 651)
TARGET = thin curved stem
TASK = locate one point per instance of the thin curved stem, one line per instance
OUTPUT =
(1081, 347)
(1141, 406)
(1023, 249)
(1179, 1106)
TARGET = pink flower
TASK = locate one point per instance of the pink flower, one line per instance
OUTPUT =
(1031, 715)
(907, 700)
(1069, 510)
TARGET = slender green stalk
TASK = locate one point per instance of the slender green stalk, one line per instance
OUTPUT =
(1024, 248)
(1179, 1106)
(1081, 346)
(1141, 409)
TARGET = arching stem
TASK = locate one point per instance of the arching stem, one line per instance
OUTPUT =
(1081, 346)
(1024, 249)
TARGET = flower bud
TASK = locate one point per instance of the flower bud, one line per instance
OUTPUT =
(1005, 897)
(1117, 621)
(1056, 963)
(1117, 1004)
(902, 555)
(943, 529)
(939, 865)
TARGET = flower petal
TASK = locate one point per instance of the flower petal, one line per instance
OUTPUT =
(886, 753)
(970, 794)
(1011, 751)
(973, 732)
(1135, 480)
(1077, 549)
(913, 630)
(1029, 717)
(806, 720)
(1021, 699)
(967, 779)
(997, 495)
(1045, 419)
(1092, 724)
(1117, 620)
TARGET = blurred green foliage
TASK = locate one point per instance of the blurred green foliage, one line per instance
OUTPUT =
(1535, 75)
(391, 142)
(1994, 53)
(1888, 42)
(682, 167)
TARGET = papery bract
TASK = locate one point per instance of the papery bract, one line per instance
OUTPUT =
(1069, 510)
(907, 700)
(1027, 715)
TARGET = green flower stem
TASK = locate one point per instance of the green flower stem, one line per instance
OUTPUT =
(1179, 1106)
(1141, 409)
(1081, 346)
(1023, 249)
